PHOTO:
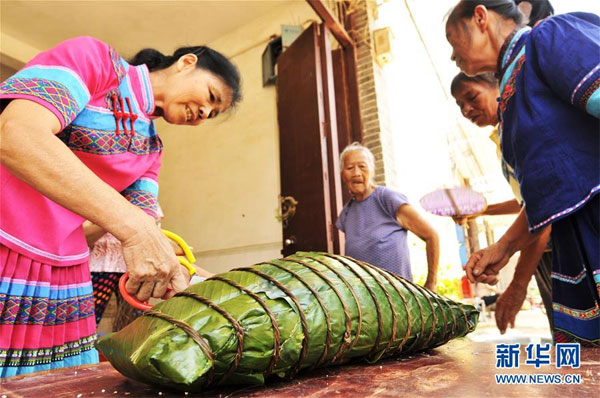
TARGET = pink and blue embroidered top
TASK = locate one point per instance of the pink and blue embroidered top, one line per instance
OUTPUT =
(104, 106)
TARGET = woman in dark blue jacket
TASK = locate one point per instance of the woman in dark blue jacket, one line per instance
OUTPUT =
(548, 110)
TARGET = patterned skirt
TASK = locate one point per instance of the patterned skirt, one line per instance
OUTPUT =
(576, 276)
(46, 315)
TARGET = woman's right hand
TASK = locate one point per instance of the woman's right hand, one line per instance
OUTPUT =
(484, 265)
(151, 262)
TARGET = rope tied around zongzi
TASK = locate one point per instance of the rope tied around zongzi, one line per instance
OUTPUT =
(292, 297)
(323, 308)
(193, 335)
(239, 331)
(373, 297)
(352, 292)
(365, 267)
(276, 333)
(347, 333)
(409, 288)
(409, 319)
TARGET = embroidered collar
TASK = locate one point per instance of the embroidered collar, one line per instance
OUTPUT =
(147, 91)
(508, 49)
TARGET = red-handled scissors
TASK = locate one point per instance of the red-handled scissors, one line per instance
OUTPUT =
(187, 261)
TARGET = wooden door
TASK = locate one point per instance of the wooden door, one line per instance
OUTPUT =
(304, 115)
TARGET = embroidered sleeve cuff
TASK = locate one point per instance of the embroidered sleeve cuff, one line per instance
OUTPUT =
(144, 194)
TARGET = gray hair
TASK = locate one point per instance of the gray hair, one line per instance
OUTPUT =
(356, 146)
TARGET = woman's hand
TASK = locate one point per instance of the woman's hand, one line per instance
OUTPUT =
(510, 302)
(92, 233)
(151, 262)
(462, 220)
(483, 266)
(508, 305)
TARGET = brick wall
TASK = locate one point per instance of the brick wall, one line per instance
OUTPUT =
(374, 110)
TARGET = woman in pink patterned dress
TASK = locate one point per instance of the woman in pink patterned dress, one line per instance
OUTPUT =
(78, 143)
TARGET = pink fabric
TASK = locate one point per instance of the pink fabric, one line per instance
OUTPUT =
(33, 224)
(21, 269)
(449, 202)
(44, 307)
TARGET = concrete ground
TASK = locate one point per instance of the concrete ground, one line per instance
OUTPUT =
(531, 326)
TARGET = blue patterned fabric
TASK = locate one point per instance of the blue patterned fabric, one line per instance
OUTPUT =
(143, 193)
(58, 76)
(76, 353)
(547, 136)
(103, 142)
(52, 92)
(373, 234)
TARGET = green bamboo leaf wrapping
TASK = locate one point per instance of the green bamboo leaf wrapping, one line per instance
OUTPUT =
(279, 317)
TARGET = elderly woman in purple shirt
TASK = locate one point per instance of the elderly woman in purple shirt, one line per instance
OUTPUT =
(376, 220)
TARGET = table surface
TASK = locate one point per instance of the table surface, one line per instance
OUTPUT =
(461, 368)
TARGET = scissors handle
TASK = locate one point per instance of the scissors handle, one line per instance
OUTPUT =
(132, 301)
(186, 261)
(188, 255)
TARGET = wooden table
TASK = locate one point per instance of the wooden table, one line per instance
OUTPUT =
(461, 368)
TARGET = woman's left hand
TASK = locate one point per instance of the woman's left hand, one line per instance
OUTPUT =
(178, 250)
(186, 273)
(508, 305)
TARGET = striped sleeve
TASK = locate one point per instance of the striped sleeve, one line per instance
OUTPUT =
(64, 78)
(144, 192)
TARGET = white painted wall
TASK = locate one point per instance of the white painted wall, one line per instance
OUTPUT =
(219, 184)
(14, 52)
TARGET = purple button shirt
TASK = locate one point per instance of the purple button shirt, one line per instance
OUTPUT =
(373, 234)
